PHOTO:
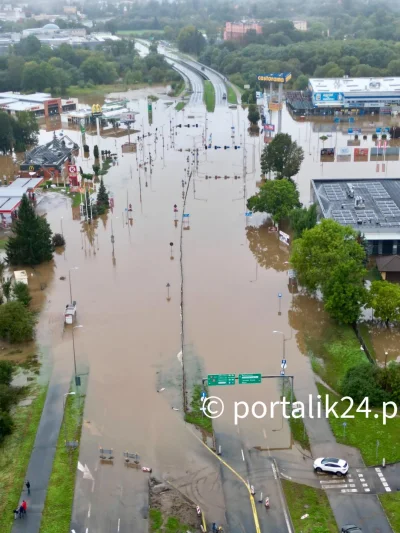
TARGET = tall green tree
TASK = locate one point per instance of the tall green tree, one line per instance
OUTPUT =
(321, 250)
(25, 130)
(102, 195)
(302, 218)
(384, 298)
(30, 243)
(21, 293)
(276, 197)
(282, 156)
(253, 115)
(16, 322)
(6, 132)
(190, 40)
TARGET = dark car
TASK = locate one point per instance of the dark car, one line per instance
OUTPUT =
(224, 96)
(350, 528)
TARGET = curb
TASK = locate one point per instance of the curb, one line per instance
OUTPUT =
(282, 496)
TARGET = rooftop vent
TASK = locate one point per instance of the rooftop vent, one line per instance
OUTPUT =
(359, 202)
(350, 190)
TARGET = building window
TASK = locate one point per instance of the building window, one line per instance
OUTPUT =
(387, 248)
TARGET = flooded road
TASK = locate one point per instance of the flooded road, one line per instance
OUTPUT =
(234, 271)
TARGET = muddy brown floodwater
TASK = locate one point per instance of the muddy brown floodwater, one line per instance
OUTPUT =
(234, 270)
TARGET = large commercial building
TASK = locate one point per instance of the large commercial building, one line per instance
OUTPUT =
(41, 104)
(236, 31)
(371, 206)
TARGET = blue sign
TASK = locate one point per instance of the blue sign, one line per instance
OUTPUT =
(203, 395)
(378, 130)
(248, 213)
(387, 130)
(357, 130)
(279, 295)
(185, 215)
(336, 120)
(284, 361)
(351, 120)
(328, 97)
(282, 372)
(350, 130)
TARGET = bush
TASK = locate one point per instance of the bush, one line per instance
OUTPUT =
(21, 293)
(58, 240)
(86, 148)
(16, 322)
(6, 425)
(96, 151)
(362, 381)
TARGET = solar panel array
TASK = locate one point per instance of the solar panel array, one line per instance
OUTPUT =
(366, 214)
(388, 208)
(344, 216)
(376, 190)
(334, 192)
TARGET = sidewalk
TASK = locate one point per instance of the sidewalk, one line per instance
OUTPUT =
(41, 461)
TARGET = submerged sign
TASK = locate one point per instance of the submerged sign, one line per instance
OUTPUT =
(274, 77)
(328, 97)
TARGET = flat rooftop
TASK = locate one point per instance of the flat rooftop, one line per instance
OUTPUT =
(371, 206)
(353, 85)
(38, 98)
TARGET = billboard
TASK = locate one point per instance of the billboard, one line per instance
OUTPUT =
(361, 154)
(343, 154)
(275, 106)
(328, 97)
(275, 77)
(269, 127)
(284, 237)
(328, 152)
(127, 117)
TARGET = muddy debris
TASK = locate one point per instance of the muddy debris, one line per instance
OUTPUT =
(171, 503)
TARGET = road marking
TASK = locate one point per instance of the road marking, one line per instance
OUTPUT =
(388, 489)
(119, 521)
(332, 481)
(367, 490)
(285, 476)
(93, 485)
(274, 471)
(87, 529)
(242, 455)
(88, 513)
(365, 484)
(265, 434)
(349, 490)
(326, 487)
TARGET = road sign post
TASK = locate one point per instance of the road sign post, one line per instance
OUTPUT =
(279, 300)
(249, 379)
(220, 379)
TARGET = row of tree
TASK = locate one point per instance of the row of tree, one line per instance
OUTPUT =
(33, 66)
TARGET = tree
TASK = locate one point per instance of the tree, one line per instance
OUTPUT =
(276, 197)
(253, 114)
(96, 151)
(6, 132)
(344, 292)
(301, 82)
(282, 156)
(16, 322)
(302, 218)
(21, 293)
(6, 425)
(6, 372)
(31, 242)
(102, 195)
(190, 40)
(25, 129)
(320, 250)
(362, 381)
(58, 240)
(384, 298)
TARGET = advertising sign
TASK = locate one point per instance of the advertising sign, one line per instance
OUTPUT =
(269, 127)
(247, 86)
(274, 77)
(275, 106)
(328, 97)
(344, 151)
(72, 170)
(343, 154)
(328, 152)
(284, 237)
(127, 117)
(361, 154)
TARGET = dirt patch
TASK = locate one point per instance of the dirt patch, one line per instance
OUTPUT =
(172, 504)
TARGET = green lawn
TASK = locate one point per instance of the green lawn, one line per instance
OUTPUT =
(209, 96)
(232, 98)
(57, 510)
(196, 416)
(391, 503)
(362, 432)
(76, 199)
(365, 334)
(180, 105)
(335, 353)
(169, 525)
(297, 426)
(15, 454)
(303, 500)
(75, 90)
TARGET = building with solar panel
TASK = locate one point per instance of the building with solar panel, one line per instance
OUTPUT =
(371, 206)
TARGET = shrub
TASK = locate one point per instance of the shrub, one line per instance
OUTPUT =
(21, 293)
(58, 240)
(6, 372)
(6, 425)
(16, 322)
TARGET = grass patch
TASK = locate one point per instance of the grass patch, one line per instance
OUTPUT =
(75, 90)
(76, 199)
(371, 429)
(169, 525)
(195, 416)
(57, 510)
(303, 500)
(15, 454)
(335, 353)
(3, 243)
(391, 504)
(180, 105)
(366, 336)
(297, 426)
(153, 98)
(232, 98)
(209, 96)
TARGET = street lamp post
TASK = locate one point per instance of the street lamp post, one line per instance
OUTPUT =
(65, 424)
(69, 276)
(283, 342)
(73, 347)
(62, 232)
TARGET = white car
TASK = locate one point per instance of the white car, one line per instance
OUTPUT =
(332, 465)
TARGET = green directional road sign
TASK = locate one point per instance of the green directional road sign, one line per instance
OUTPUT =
(221, 379)
(247, 379)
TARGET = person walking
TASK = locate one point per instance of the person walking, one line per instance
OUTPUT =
(24, 506)
(21, 511)
(28, 486)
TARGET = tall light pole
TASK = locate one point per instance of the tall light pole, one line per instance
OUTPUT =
(65, 422)
(283, 341)
(73, 347)
(62, 232)
(69, 276)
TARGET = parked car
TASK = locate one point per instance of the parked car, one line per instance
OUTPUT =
(350, 528)
(332, 465)
(224, 96)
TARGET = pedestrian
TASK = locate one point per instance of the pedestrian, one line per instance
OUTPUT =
(28, 486)
(214, 527)
(15, 514)
(21, 511)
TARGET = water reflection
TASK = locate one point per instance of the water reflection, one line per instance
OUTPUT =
(267, 248)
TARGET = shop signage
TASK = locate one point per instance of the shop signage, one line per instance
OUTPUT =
(274, 77)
